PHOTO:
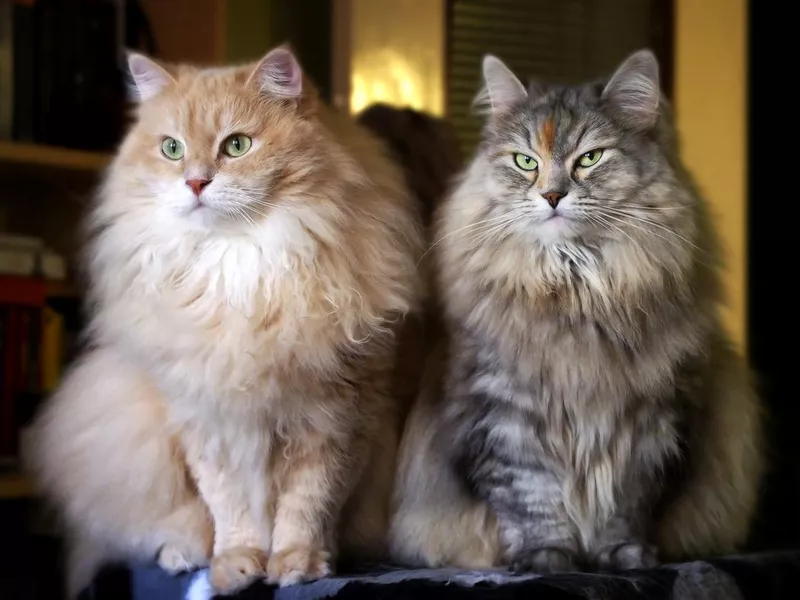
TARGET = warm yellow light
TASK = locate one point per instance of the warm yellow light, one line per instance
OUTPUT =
(397, 58)
(385, 77)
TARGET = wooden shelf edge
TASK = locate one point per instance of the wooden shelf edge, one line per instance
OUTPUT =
(14, 486)
(60, 289)
(52, 156)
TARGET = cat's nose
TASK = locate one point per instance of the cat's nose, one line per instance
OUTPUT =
(197, 185)
(553, 198)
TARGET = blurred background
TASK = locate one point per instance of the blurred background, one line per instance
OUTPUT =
(62, 112)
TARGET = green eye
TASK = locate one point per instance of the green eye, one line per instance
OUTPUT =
(236, 145)
(525, 162)
(590, 158)
(172, 148)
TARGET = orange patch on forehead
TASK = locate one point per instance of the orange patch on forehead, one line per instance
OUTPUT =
(547, 135)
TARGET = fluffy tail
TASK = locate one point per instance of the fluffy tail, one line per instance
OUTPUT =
(435, 522)
(713, 514)
(100, 451)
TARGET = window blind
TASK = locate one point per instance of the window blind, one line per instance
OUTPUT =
(556, 40)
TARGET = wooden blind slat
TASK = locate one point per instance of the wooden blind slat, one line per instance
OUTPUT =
(561, 40)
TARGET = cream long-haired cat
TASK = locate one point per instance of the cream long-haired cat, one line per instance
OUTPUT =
(252, 254)
(588, 407)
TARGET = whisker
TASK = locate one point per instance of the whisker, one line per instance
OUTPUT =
(621, 213)
(480, 237)
(482, 223)
(651, 208)
(605, 222)
(666, 239)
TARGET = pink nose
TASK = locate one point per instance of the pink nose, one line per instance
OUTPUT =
(553, 198)
(197, 185)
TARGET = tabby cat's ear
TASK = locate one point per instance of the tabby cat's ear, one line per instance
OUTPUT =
(633, 93)
(279, 74)
(501, 88)
(149, 78)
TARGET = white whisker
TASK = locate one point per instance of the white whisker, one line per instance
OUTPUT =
(621, 213)
(482, 223)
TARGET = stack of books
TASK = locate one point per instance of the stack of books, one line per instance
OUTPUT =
(31, 333)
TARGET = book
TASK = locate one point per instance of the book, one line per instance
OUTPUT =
(52, 354)
(14, 261)
(6, 70)
(24, 71)
(22, 291)
(8, 391)
(22, 301)
(28, 256)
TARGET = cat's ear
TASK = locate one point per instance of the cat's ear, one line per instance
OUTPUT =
(501, 88)
(148, 77)
(633, 91)
(279, 74)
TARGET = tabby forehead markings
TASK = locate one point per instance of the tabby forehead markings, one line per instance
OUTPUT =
(547, 135)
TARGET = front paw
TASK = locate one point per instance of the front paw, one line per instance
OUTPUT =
(622, 557)
(297, 564)
(176, 559)
(236, 568)
(543, 560)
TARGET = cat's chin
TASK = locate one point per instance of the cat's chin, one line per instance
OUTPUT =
(204, 217)
(555, 229)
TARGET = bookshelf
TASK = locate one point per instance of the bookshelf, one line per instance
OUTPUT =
(14, 486)
(62, 289)
(19, 153)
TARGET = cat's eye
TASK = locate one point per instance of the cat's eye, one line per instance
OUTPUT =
(172, 148)
(525, 162)
(236, 145)
(590, 158)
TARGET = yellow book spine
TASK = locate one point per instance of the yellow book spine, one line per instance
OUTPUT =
(52, 348)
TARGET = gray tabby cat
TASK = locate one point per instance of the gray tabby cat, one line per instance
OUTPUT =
(587, 408)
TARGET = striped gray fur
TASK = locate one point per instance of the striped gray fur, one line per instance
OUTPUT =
(587, 408)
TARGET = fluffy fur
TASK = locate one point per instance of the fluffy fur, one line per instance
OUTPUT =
(233, 408)
(586, 407)
(427, 149)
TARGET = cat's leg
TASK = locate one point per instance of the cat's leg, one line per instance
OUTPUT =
(535, 529)
(315, 479)
(623, 540)
(100, 449)
(232, 481)
(622, 543)
(499, 455)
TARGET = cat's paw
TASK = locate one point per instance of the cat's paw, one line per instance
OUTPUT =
(627, 556)
(543, 560)
(177, 559)
(236, 568)
(297, 564)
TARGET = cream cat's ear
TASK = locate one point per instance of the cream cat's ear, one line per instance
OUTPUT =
(149, 78)
(501, 88)
(633, 91)
(279, 74)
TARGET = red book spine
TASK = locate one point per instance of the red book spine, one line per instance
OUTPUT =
(17, 296)
(7, 399)
(22, 291)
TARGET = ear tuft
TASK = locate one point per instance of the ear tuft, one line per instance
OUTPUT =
(501, 88)
(148, 77)
(279, 74)
(633, 92)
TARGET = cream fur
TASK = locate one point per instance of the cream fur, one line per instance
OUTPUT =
(236, 389)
